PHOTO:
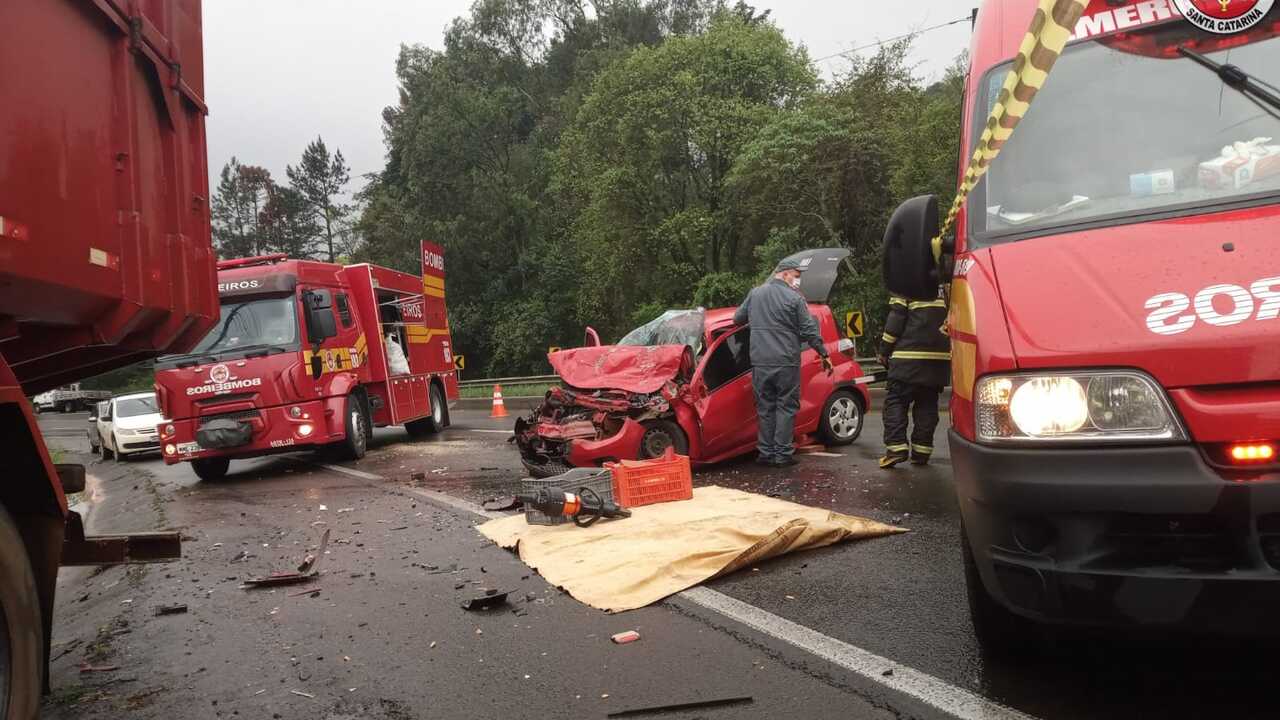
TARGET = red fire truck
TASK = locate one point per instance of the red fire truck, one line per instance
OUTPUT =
(105, 260)
(1115, 318)
(308, 355)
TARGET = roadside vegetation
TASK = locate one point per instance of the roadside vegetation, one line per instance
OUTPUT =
(595, 162)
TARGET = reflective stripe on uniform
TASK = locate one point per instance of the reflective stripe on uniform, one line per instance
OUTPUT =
(897, 448)
(888, 338)
(930, 304)
(920, 355)
(922, 449)
(895, 300)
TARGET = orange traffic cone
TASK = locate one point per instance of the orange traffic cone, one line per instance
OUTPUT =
(499, 408)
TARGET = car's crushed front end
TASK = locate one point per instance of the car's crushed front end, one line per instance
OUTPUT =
(617, 402)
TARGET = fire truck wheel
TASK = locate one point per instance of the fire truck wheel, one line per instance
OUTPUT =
(435, 422)
(211, 469)
(356, 442)
(21, 641)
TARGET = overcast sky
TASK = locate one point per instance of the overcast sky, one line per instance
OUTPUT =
(279, 72)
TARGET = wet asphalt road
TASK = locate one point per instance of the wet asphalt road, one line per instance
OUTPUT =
(900, 597)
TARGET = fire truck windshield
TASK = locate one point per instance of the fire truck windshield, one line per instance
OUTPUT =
(1127, 128)
(266, 322)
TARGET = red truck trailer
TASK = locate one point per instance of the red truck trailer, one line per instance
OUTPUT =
(309, 355)
(105, 260)
(1115, 325)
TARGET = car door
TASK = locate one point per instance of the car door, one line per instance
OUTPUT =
(106, 437)
(725, 401)
(95, 412)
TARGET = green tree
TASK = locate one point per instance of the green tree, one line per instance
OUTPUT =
(646, 162)
(319, 179)
(288, 224)
(235, 211)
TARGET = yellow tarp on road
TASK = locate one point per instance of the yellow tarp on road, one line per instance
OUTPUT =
(625, 564)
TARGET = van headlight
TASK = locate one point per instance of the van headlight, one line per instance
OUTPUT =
(1083, 407)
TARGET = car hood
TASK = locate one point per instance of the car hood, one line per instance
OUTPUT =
(634, 368)
(1192, 301)
(138, 422)
(822, 266)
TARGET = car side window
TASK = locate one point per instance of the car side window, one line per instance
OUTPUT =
(731, 359)
(344, 310)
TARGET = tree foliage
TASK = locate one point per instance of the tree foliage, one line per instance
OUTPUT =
(594, 162)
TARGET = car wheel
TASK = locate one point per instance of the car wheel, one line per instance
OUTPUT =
(21, 638)
(94, 449)
(841, 421)
(356, 442)
(999, 630)
(659, 435)
(211, 469)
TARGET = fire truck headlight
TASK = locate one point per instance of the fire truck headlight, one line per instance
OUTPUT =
(305, 429)
(170, 449)
(1082, 407)
(295, 412)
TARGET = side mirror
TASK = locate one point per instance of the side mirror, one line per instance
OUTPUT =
(591, 338)
(318, 316)
(910, 269)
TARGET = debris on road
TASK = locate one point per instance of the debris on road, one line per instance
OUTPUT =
(674, 707)
(345, 510)
(623, 638)
(507, 502)
(490, 599)
(418, 477)
(309, 591)
(87, 668)
(307, 569)
(303, 694)
(176, 609)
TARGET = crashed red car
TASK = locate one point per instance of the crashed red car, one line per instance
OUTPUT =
(684, 381)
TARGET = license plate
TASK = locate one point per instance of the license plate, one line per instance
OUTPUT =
(188, 448)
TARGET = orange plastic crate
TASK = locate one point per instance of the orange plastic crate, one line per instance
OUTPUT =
(646, 482)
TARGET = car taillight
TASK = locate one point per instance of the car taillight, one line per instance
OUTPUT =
(846, 346)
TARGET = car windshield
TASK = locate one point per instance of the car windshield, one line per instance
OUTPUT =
(1127, 126)
(270, 322)
(133, 407)
(673, 327)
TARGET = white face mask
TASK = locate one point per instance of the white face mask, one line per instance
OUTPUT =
(796, 283)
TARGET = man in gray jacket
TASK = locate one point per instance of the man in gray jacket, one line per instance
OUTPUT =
(780, 321)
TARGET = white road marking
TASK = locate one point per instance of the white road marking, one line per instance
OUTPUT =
(500, 432)
(919, 686)
(823, 454)
(931, 691)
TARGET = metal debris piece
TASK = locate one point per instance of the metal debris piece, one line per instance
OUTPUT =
(176, 609)
(303, 694)
(654, 709)
(506, 502)
(623, 638)
(490, 599)
(309, 591)
(87, 668)
(309, 568)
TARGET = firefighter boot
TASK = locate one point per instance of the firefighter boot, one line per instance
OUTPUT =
(893, 456)
(920, 454)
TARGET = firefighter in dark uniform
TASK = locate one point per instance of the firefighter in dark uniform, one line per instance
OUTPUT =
(780, 321)
(917, 353)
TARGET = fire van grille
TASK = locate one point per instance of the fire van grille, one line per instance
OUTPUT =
(1269, 537)
(238, 415)
(1192, 542)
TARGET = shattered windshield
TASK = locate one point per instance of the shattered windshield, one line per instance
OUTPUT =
(673, 327)
(1128, 126)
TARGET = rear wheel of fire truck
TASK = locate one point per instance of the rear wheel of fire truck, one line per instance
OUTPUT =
(999, 631)
(21, 644)
(356, 442)
(211, 469)
(660, 435)
(841, 421)
(436, 421)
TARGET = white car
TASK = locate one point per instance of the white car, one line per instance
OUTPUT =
(128, 427)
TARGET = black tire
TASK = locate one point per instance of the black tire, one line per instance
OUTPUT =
(661, 434)
(356, 424)
(107, 454)
(94, 449)
(843, 416)
(437, 421)
(211, 469)
(21, 636)
(999, 631)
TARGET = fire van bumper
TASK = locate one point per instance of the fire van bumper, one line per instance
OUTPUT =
(1122, 537)
(275, 430)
